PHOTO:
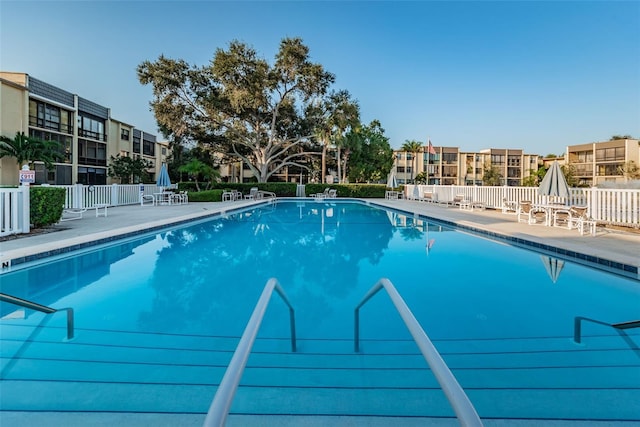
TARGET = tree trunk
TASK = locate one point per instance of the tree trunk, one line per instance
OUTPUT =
(324, 162)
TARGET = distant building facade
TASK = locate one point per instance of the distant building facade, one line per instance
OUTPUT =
(451, 166)
(86, 131)
(599, 162)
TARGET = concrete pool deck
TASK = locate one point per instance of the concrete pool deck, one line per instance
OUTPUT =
(618, 247)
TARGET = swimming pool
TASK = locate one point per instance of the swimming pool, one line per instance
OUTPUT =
(159, 316)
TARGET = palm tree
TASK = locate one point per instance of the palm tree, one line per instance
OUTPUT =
(338, 113)
(413, 147)
(26, 150)
(196, 168)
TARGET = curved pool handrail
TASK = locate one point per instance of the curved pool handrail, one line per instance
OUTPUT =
(42, 308)
(464, 410)
(221, 404)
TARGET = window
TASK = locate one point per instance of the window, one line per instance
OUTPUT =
(450, 158)
(609, 169)
(59, 175)
(92, 176)
(136, 144)
(91, 127)
(610, 154)
(50, 117)
(497, 159)
(148, 148)
(124, 134)
(92, 153)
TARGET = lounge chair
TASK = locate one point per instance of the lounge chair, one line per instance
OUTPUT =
(332, 194)
(262, 194)
(322, 195)
(509, 206)
(179, 198)
(254, 194)
(72, 213)
(429, 197)
(458, 200)
(576, 217)
(527, 213)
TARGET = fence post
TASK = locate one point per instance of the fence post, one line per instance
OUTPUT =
(115, 195)
(25, 215)
(78, 197)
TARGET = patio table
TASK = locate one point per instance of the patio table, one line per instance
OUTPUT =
(549, 209)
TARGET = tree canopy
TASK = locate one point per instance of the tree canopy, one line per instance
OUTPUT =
(370, 155)
(242, 106)
(129, 170)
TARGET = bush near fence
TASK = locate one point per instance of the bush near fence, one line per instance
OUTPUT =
(205, 196)
(282, 189)
(288, 189)
(46, 205)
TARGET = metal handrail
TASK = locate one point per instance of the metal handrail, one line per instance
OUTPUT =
(42, 308)
(221, 403)
(464, 410)
(577, 328)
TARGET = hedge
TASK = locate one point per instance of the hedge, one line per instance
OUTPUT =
(46, 205)
(287, 189)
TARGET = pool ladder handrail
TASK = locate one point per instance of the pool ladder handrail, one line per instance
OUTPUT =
(42, 308)
(619, 327)
(221, 404)
(462, 406)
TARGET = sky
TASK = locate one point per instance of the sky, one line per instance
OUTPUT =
(531, 75)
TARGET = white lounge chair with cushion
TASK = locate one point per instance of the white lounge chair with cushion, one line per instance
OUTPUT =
(527, 213)
(72, 213)
(576, 217)
(322, 195)
(254, 194)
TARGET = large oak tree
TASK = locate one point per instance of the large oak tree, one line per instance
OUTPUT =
(240, 105)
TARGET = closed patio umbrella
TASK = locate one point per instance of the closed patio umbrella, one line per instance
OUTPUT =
(392, 181)
(553, 266)
(163, 178)
(554, 183)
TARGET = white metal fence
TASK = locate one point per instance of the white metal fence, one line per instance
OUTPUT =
(80, 196)
(14, 208)
(605, 205)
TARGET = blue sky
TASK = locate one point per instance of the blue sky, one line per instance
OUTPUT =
(509, 74)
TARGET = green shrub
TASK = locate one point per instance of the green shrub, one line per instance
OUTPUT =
(366, 191)
(288, 189)
(46, 205)
(282, 189)
(205, 196)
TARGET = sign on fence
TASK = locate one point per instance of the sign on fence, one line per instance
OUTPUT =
(27, 176)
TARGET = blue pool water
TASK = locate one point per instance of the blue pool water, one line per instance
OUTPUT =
(159, 316)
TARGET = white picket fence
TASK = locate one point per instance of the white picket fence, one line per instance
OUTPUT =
(14, 208)
(608, 206)
(80, 196)
(605, 205)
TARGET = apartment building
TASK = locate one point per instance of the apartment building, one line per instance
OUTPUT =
(598, 162)
(450, 166)
(88, 134)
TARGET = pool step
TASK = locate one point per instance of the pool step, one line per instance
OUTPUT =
(180, 374)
